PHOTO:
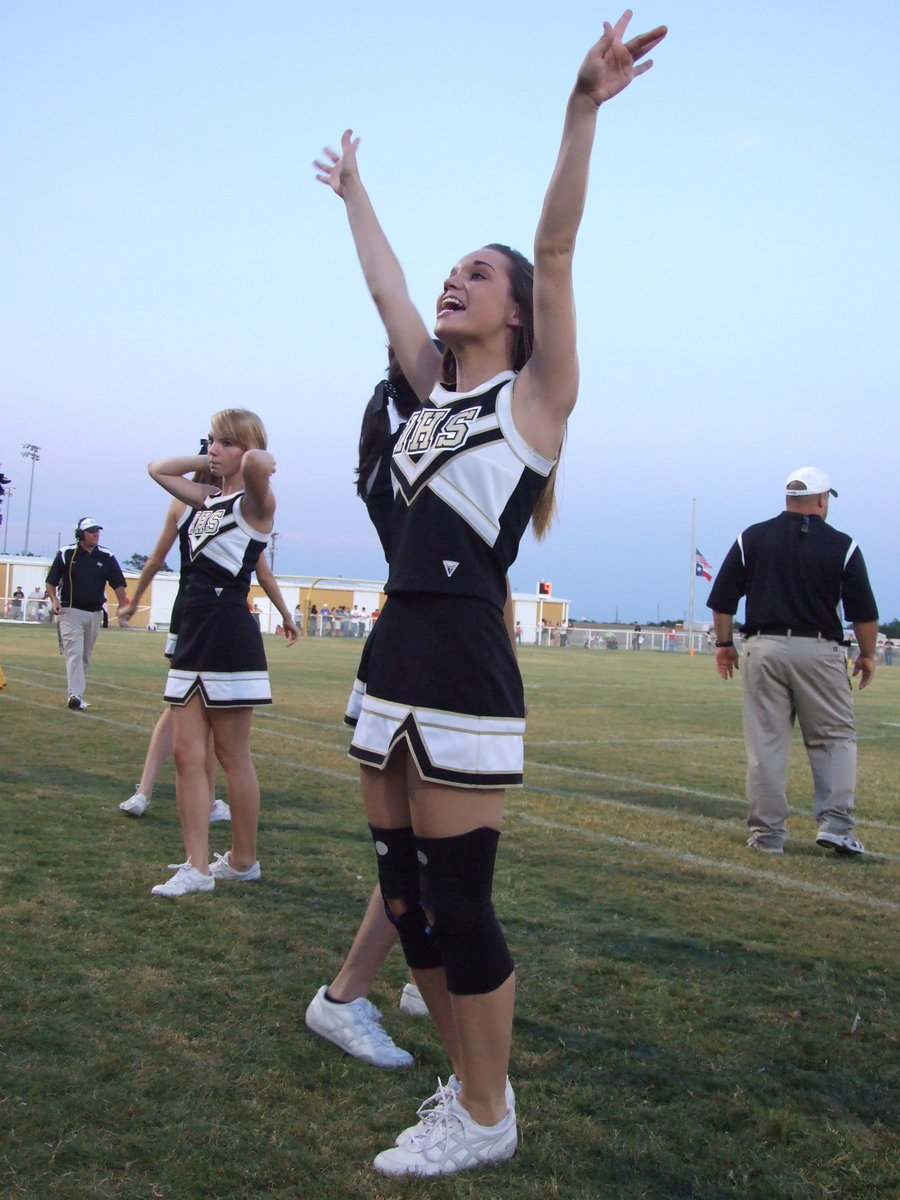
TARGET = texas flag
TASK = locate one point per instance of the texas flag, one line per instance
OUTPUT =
(702, 568)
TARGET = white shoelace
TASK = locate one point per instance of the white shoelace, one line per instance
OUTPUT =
(434, 1118)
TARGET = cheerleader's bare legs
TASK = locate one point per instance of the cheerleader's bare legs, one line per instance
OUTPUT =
(231, 730)
(230, 727)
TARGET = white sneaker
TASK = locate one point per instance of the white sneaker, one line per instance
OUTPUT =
(428, 1108)
(842, 843)
(754, 842)
(136, 805)
(356, 1028)
(451, 1141)
(222, 869)
(77, 703)
(219, 812)
(185, 880)
(411, 1001)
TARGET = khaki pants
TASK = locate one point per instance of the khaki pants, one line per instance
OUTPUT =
(78, 631)
(788, 679)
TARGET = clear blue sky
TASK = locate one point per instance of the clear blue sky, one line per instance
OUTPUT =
(167, 252)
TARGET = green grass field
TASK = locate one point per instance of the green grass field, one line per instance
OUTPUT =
(693, 1020)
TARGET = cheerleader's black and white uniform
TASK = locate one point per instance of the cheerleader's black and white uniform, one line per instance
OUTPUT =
(219, 649)
(438, 670)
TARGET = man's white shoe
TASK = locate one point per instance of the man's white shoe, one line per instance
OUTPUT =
(429, 1107)
(411, 1001)
(842, 843)
(222, 869)
(186, 879)
(136, 805)
(356, 1028)
(219, 812)
(451, 1141)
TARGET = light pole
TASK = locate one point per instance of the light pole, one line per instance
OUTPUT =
(10, 492)
(29, 451)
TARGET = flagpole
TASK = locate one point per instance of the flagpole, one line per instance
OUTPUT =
(693, 573)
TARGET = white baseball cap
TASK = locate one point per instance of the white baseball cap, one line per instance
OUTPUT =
(87, 525)
(813, 479)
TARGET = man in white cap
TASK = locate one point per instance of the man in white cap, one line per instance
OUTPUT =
(76, 583)
(794, 571)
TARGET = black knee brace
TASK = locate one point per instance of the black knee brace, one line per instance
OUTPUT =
(398, 878)
(457, 874)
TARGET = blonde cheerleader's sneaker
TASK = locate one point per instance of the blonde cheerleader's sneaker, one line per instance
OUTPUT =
(451, 1141)
(186, 879)
(221, 868)
(219, 812)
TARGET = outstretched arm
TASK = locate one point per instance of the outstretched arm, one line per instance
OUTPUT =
(407, 332)
(157, 558)
(548, 386)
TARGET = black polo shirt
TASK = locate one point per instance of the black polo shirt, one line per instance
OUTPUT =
(795, 570)
(81, 577)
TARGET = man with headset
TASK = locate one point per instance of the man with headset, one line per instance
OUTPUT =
(795, 570)
(76, 583)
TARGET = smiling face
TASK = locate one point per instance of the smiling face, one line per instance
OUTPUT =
(477, 301)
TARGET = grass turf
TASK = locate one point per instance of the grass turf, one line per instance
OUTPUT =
(693, 1020)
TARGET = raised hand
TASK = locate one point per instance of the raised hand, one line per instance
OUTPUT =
(609, 66)
(339, 168)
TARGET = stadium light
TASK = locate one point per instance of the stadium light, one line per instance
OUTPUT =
(10, 492)
(29, 451)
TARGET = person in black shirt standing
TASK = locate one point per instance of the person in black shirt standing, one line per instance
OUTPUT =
(76, 583)
(795, 570)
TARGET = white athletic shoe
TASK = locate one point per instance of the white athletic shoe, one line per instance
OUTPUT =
(754, 842)
(411, 1001)
(428, 1108)
(136, 805)
(450, 1141)
(222, 869)
(186, 879)
(356, 1028)
(219, 812)
(841, 843)
(77, 703)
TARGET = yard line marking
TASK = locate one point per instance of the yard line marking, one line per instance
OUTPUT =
(768, 877)
(643, 741)
(653, 786)
(91, 715)
(532, 765)
(645, 784)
